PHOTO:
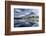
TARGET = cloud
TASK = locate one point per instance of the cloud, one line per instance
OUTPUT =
(23, 12)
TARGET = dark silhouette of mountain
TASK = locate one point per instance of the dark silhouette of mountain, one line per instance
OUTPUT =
(32, 13)
(26, 16)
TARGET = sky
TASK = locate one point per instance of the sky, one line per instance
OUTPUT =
(20, 12)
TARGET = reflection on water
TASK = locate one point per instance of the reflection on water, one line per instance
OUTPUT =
(24, 23)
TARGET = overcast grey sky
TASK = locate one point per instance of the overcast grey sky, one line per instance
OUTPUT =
(19, 12)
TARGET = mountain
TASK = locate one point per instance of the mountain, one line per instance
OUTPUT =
(19, 13)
